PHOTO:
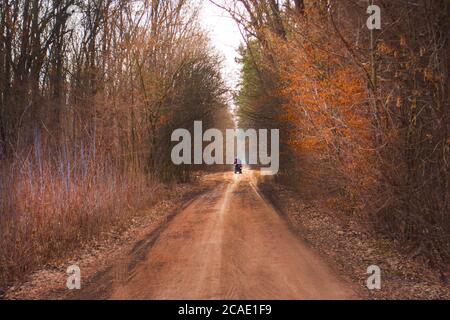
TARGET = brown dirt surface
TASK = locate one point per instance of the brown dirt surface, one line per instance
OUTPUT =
(229, 244)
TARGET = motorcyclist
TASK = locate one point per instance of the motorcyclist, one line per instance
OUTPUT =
(237, 165)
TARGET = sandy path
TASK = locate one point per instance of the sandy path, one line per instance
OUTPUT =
(230, 244)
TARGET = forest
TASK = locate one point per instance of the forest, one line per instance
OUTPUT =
(90, 94)
(363, 114)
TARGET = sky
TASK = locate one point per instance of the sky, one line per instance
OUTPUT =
(225, 37)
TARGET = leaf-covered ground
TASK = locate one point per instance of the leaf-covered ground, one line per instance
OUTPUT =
(351, 250)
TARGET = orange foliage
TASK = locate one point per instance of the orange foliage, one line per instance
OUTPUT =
(325, 107)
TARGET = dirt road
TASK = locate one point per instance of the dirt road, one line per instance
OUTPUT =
(227, 244)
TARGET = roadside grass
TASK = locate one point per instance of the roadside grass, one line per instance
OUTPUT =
(48, 209)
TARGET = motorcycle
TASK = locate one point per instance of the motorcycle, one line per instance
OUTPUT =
(238, 169)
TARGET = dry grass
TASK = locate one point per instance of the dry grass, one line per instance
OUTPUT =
(50, 208)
